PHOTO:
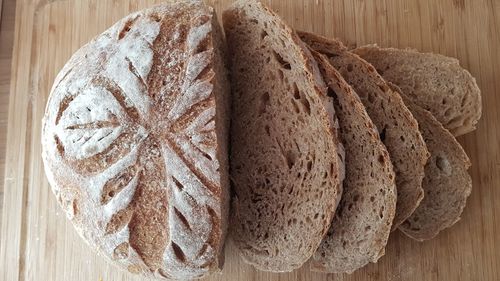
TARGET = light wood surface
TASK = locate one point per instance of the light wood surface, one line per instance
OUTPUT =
(38, 243)
(6, 42)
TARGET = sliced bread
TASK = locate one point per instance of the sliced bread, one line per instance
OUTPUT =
(363, 219)
(284, 165)
(434, 82)
(134, 142)
(446, 183)
(397, 127)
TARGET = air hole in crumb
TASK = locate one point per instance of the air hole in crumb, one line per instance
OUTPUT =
(350, 67)
(281, 75)
(296, 93)
(263, 34)
(254, 21)
(381, 159)
(372, 199)
(291, 158)
(331, 93)
(268, 130)
(356, 198)
(282, 61)
(264, 102)
(382, 134)
(309, 166)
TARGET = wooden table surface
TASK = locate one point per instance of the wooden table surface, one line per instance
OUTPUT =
(7, 12)
(38, 243)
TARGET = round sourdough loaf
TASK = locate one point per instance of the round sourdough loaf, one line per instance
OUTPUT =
(134, 141)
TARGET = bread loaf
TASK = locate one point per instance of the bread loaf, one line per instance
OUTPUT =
(397, 127)
(447, 185)
(134, 142)
(434, 82)
(362, 223)
(284, 162)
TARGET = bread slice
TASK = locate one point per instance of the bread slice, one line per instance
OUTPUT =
(446, 183)
(284, 164)
(363, 219)
(395, 123)
(134, 142)
(434, 82)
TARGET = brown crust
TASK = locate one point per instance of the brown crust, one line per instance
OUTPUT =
(447, 184)
(134, 142)
(398, 128)
(269, 242)
(434, 82)
(339, 251)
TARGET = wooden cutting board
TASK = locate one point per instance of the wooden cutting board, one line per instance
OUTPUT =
(38, 243)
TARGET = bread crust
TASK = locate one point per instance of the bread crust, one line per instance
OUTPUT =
(362, 223)
(447, 184)
(397, 127)
(134, 142)
(284, 162)
(434, 82)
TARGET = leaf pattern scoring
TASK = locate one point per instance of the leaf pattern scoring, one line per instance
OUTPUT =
(132, 118)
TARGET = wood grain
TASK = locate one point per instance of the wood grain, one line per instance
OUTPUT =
(38, 243)
(6, 42)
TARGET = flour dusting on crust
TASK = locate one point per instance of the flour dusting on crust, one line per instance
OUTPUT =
(130, 145)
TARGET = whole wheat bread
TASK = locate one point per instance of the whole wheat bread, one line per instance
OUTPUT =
(397, 127)
(432, 81)
(284, 164)
(446, 183)
(134, 142)
(362, 223)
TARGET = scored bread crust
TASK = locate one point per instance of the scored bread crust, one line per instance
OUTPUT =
(434, 82)
(134, 142)
(397, 127)
(447, 184)
(284, 162)
(362, 223)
